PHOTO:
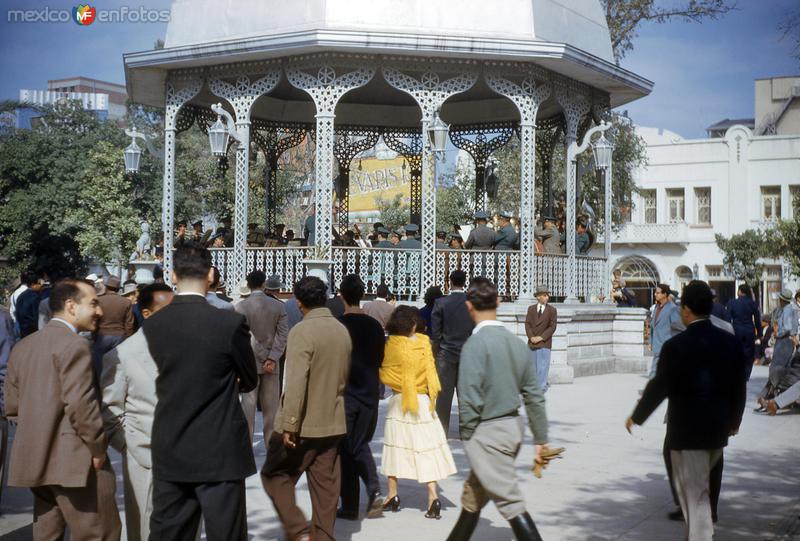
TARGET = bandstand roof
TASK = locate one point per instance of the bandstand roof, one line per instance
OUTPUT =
(569, 37)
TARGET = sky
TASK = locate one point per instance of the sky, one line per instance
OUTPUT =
(703, 73)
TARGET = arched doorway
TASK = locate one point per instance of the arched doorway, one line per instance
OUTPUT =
(683, 275)
(641, 277)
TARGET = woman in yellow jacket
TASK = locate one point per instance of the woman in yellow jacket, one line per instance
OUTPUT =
(414, 443)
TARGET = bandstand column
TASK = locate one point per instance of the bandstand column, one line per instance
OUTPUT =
(607, 232)
(527, 94)
(575, 105)
(241, 94)
(175, 99)
(326, 81)
(430, 84)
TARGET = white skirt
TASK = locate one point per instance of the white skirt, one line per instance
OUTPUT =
(414, 444)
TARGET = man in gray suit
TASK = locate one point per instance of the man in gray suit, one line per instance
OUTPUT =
(269, 329)
(128, 385)
(666, 323)
(450, 328)
(481, 237)
(549, 235)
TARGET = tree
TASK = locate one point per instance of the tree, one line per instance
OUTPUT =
(625, 16)
(790, 28)
(783, 242)
(106, 223)
(742, 254)
(393, 212)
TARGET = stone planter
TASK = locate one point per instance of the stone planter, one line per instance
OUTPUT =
(144, 271)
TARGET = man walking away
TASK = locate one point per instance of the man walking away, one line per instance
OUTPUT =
(128, 385)
(115, 325)
(495, 371)
(666, 324)
(311, 418)
(540, 325)
(701, 372)
(745, 316)
(450, 328)
(59, 449)
(360, 402)
(201, 449)
(269, 329)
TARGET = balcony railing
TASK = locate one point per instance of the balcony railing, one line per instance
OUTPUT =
(630, 233)
(399, 270)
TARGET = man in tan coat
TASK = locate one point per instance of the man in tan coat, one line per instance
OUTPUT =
(269, 329)
(59, 450)
(311, 418)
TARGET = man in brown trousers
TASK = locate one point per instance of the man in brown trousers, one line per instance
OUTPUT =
(311, 418)
(115, 325)
(540, 325)
(59, 450)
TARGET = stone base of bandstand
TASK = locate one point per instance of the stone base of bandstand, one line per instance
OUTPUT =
(590, 339)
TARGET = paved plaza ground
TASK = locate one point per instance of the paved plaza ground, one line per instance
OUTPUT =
(610, 485)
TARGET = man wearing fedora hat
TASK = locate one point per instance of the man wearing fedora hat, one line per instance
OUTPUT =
(116, 323)
(506, 236)
(540, 325)
(269, 329)
(481, 237)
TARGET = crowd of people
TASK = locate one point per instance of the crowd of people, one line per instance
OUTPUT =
(699, 422)
(173, 379)
(499, 232)
(182, 371)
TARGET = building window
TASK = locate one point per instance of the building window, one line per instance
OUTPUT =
(794, 201)
(702, 202)
(650, 206)
(675, 206)
(770, 203)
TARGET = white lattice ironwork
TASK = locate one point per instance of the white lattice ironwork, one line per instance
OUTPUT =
(430, 84)
(576, 102)
(397, 269)
(500, 267)
(607, 225)
(528, 94)
(286, 262)
(326, 78)
(181, 87)
(234, 84)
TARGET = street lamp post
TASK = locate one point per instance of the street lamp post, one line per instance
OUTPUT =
(603, 151)
(133, 152)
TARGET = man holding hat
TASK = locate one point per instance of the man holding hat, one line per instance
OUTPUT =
(116, 323)
(506, 236)
(411, 242)
(269, 329)
(481, 237)
(549, 235)
(540, 325)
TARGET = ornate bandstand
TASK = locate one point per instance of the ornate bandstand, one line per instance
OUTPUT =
(344, 73)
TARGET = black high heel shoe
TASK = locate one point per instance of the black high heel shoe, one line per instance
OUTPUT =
(435, 510)
(393, 504)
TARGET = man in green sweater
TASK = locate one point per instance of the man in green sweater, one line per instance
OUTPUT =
(495, 370)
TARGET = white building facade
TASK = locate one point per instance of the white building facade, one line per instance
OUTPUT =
(694, 189)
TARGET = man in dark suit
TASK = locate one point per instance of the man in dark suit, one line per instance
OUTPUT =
(59, 449)
(450, 328)
(201, 448)
(701, 372)
(744, 315)
(540, 325)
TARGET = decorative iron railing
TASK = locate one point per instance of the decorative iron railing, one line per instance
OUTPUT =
(399, 270)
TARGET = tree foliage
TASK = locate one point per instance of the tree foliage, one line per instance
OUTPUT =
(783, 242)
(742, 254)
(393, 212)
(625, 16)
